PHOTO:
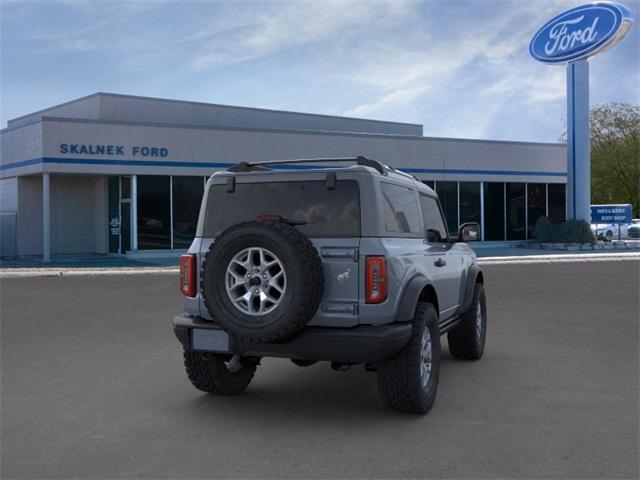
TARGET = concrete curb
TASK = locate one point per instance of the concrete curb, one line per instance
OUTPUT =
(563, 258)
(76, 272)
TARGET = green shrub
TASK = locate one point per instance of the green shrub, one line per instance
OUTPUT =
(575, 231)
(542, 230)
(572, 231)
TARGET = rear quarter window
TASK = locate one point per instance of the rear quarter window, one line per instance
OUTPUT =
(400, 209)
(326, 213)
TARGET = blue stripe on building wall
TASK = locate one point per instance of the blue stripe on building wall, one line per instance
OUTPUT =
(458, 171)
(23, 163)
(168, 163)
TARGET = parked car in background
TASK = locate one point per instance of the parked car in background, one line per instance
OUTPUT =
(610, 231)
(634, 229)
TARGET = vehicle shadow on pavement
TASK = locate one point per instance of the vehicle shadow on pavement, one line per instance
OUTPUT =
(281, 389)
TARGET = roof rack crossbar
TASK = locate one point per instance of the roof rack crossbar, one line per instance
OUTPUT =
(257, 166)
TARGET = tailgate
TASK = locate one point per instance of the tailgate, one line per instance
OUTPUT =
(339, 307)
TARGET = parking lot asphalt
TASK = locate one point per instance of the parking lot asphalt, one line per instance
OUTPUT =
(93, 387)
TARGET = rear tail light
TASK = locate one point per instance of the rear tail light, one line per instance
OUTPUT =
(376, 280)
(188, 275)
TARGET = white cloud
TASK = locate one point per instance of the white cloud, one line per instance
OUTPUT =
(284, 26)
(390, 101)
(472, 71)
(459, 68)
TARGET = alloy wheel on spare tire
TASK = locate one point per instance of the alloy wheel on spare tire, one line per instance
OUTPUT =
(262, 281)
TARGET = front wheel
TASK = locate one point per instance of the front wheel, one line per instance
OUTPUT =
(467, 339)
(218, 373)
(408, 381)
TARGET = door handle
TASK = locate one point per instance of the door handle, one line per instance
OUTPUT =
(439, 263)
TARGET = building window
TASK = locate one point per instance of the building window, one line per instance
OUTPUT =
(557, 201)
(469, 202)
(448, 195)
(536, 204)
(430, 183)
(154, 226)
(187, 196)
(400, 207)
(516, 213)
(493, 211)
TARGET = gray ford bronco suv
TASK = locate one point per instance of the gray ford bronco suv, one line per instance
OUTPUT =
(346, 264)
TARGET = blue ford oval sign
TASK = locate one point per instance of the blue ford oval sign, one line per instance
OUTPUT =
(581, 32)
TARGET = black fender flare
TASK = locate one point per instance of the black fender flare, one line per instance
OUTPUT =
(472, 276)
(410, 297)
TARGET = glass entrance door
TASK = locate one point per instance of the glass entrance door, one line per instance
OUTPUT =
(125, 226)
(119, 214)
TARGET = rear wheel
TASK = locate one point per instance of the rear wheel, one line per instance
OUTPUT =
(408, 382)
(218, 373)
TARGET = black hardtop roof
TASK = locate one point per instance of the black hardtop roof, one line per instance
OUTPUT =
(263, 165)
(360, 161)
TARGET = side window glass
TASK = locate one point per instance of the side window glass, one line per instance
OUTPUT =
(401, 213)
(433, 221)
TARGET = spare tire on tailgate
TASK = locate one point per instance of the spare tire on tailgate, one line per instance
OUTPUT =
(262, 281)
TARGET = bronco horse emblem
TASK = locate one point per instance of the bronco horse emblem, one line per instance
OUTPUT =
(344, 276)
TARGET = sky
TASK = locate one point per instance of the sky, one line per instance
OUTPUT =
(460, 68)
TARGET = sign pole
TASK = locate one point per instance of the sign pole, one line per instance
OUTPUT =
(578, 198)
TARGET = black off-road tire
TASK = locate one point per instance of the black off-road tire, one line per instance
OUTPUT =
(399, 379)
(208, 372)
(303, 270)
(467, 339)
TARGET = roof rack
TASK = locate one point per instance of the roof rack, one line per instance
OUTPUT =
(260, 166)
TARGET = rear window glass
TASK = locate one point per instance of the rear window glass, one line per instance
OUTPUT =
(327, 213)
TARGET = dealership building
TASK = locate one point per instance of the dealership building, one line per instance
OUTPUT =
(119, 174)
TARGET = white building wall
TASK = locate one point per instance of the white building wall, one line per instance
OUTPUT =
(78, 215)
(144, 109)
(22, 143)
(110, 106)
(86, 107)
(29, 215)
(493, 161)
(9, 194)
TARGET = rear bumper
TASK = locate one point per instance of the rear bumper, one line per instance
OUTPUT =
(357, 344)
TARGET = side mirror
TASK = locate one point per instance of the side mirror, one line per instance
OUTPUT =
(433, 236)
(469, 232)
